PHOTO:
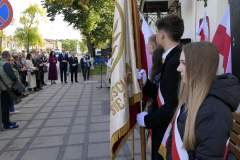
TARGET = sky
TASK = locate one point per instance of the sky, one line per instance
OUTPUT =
(57, 29)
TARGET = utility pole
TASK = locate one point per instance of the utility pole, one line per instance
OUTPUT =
(1, 42)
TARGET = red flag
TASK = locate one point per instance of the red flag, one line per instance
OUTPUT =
(222, 40)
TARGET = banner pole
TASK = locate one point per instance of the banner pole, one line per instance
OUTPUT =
(139, 66)
(132, 145)
(1, 126)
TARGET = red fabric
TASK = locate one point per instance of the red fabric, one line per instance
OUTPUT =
(175, 155)
(133, 110)
(225, 156)
(223, 42)
(143, 52)
(144, 61)
(167, 143)
(202, 32)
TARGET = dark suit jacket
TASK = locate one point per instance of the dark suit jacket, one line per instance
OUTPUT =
(16, 66)
(169, 82)
(82, 63)
(62, 65)
(40, 62)
(73, 61)
(159, 119)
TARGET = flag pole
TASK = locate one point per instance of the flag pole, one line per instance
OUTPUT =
(132, 145)
(139, 66)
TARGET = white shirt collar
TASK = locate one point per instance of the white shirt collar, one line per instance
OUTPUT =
(166, 54)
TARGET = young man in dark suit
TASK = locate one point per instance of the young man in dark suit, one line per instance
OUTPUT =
(82, 64)
(169, 32)
(63, 59)
(73, 62)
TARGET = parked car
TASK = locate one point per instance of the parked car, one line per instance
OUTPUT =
(57, 52)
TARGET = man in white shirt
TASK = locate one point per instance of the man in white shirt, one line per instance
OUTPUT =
(87, 65)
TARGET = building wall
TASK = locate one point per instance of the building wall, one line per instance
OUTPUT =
(192, 11)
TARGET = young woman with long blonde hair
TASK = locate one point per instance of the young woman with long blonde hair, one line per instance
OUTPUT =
(203, 121)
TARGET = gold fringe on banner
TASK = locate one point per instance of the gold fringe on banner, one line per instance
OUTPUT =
(136, 98)
(125, 129)
(113, 155)
(162, 151)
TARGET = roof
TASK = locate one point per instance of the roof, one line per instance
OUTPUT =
(46, 42)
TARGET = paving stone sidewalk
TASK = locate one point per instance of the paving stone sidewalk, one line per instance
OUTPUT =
(64, 122)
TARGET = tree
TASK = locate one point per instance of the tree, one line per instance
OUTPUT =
(73, 45)
(66, 45)
(4, 37)
(70, 45)
(28, 35)
(94, 18)
(83, 46)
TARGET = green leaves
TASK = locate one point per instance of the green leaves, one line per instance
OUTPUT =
(70, 45)
(92, 21)
(28, 35)
(83, 46)
(93, 18)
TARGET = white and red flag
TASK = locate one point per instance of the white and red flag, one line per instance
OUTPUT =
(222, 40)
(147, 32)
(203, 29)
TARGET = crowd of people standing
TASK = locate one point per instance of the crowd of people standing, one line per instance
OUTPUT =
(29, 70)
(16, 68)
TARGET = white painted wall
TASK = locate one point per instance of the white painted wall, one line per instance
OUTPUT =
(193, 10)
(215, 10)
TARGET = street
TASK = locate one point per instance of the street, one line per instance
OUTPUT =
(64, 121)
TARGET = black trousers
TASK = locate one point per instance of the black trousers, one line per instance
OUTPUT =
(38, 83)
(157, 136)
(6, 104)
(82, 71)
(23, 77)
(86, 72)
(63, 71)
(42, 78)
(75, 71)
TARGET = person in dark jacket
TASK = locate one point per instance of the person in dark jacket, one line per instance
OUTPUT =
(63, 59)
(42, 64)
(37, 72)
(82, 64)
(9, 78)
(169, 32)
(206, 103)
(73, 62)
(154, 78)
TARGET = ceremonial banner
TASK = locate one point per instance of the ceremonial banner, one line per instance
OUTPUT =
(222, 40)
(125, 91)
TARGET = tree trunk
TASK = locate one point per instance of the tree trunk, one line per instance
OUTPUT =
(89, 44)
(27, 49)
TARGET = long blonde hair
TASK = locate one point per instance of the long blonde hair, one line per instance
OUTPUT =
(201, 63)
